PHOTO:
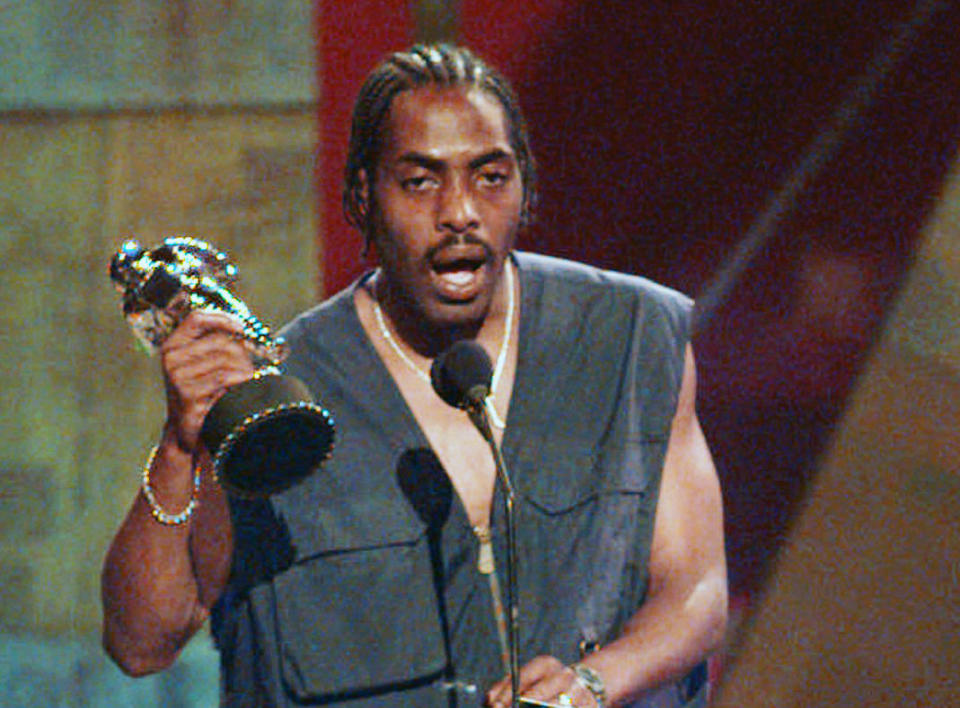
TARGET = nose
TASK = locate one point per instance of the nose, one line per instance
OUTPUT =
(457, 208)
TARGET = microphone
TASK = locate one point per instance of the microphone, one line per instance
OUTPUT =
(461, 375)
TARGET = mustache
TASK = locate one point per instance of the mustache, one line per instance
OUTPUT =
(465, 239)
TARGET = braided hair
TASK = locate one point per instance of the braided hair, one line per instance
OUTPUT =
(425, 65)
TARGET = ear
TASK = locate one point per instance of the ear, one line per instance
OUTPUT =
(363, 202)
(363, 210)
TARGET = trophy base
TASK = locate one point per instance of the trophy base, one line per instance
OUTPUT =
(267, 434)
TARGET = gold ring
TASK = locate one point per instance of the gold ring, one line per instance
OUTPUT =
(565, 700)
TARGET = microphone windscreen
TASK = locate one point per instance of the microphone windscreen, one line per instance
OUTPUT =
(461, 375)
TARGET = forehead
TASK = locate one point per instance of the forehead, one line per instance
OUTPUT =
(442, 122)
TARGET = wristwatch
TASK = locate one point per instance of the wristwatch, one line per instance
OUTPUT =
(591, 681)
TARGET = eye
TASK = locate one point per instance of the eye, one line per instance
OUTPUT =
(494, 177)
(417, 183)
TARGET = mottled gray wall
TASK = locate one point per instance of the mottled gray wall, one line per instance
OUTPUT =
(118, 119)
(93, 54)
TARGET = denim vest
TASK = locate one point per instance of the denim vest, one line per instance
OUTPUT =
(332, 597)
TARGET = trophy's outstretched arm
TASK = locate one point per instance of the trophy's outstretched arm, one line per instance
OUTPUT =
(162, 284)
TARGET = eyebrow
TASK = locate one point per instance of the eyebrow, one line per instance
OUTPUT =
(492, 156)
(436, 165)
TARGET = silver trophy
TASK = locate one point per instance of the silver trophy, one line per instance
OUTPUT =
(265, 434)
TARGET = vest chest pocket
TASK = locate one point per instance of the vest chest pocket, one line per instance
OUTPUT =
(586, 526)
(559, 476)
(356, 611)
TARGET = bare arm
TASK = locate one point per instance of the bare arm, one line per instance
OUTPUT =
(684, 616)
(159, 582)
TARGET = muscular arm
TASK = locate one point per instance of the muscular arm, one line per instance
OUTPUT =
(684, 616)
(159, 582)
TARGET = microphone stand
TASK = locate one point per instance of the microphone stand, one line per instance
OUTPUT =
(477, 410)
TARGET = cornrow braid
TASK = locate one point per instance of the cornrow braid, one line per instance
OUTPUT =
(424, 65)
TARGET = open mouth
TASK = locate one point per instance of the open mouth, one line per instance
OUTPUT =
(459, 275)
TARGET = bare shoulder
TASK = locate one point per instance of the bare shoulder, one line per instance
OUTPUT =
(688, 533)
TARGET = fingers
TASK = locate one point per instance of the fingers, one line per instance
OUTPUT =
(203, 357)
(544, 678)
(199, 322)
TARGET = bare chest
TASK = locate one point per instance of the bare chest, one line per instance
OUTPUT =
(463, 453)
(465, 456)
(461, 450)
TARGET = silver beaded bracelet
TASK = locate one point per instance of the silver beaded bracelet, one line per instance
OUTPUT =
(156, 510)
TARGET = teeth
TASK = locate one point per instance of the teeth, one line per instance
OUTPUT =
(458, 277)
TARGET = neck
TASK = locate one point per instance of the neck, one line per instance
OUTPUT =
(493, 333)
(429, 340)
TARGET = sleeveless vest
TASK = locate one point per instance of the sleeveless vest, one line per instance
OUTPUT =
(332, 597)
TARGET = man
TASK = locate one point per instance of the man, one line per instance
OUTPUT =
(373, 582)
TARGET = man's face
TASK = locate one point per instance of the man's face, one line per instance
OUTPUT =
(446, 202)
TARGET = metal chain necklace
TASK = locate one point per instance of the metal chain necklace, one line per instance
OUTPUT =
(495, 418)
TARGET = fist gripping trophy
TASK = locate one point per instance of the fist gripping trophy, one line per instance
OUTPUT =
(265, 434)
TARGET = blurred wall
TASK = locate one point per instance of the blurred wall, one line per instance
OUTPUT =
(864, 606)
(125, 119)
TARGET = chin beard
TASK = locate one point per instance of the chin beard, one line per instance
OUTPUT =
(427, 324)
(434, 335)
(432, 332)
